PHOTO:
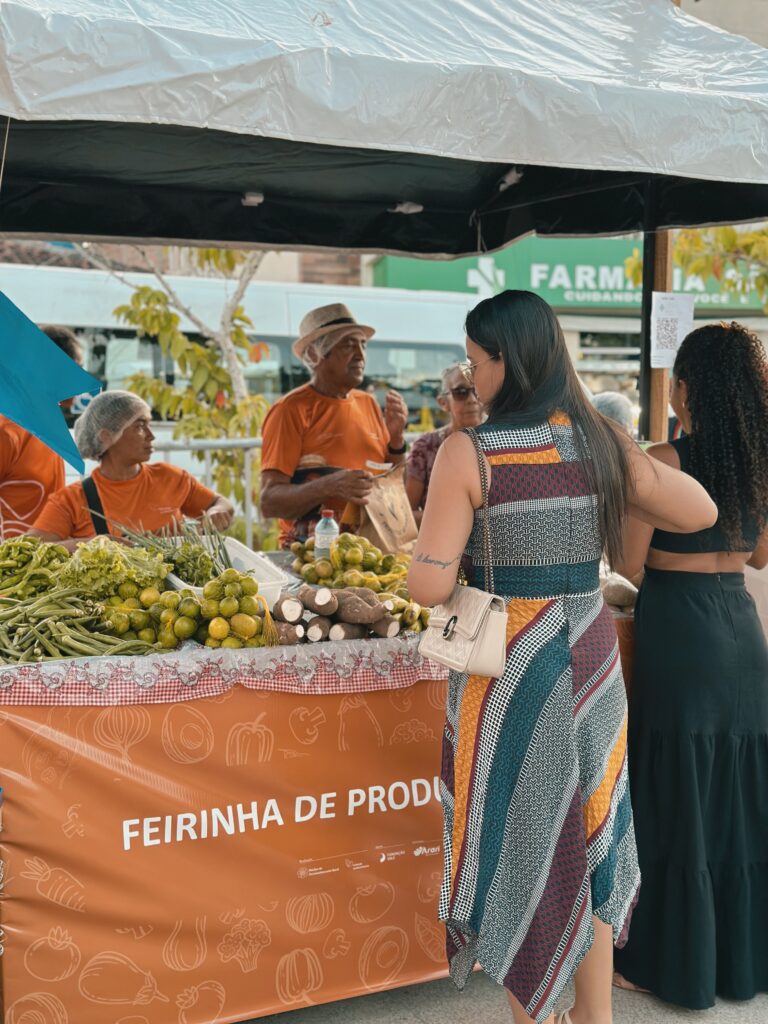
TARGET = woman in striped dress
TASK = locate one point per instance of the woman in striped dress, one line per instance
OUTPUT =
(540, 863)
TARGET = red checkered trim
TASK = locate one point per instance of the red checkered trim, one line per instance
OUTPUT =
(347, 666)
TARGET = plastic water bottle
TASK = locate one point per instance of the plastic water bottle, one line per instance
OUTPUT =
(326, 532)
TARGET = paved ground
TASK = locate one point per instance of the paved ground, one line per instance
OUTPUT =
(438, 1002)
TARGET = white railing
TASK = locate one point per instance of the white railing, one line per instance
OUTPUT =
(245, 444)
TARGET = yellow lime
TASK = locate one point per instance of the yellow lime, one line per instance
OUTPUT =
(168, 617)
(297, 564)
(149, 596)
(249, 584)
(209, 609)
(114, 601)
(170, 599)
(232, 641)
(255, 641)
(218, 628)
(244, 625)
(131, 602)
(229, 606)
(233, 590)
(167, 639)
(184, 628)
(210, 642)
(147, 635)
(128, 589)
(230, 576)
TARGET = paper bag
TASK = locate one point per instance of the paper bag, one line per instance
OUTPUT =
(387, 520)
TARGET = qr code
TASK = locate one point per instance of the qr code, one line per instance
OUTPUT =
(666, 332)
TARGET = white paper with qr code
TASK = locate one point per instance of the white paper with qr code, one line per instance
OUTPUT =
(671, 320)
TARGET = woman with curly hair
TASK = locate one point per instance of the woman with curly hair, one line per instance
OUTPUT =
(698, 724)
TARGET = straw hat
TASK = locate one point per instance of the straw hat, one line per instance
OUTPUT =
(332, 319)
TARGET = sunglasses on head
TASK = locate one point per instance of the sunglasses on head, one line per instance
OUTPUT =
(461, 393)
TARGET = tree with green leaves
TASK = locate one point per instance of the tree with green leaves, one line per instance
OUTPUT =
(736, 257)
(215, 402)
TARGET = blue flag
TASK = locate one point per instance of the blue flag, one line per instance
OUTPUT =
(35, 375)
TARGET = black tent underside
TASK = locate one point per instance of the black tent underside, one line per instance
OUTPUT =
(80, 179)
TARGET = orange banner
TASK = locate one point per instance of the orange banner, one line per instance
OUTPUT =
(219, 859)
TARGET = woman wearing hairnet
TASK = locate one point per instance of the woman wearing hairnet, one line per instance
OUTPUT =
(126, 489)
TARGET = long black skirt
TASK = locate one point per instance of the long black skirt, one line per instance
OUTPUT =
(698, 769)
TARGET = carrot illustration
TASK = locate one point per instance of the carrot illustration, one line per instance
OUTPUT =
(55, 884)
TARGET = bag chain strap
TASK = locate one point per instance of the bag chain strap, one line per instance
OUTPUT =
(489, 584)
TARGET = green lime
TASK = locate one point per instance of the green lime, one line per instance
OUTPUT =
(168, 617)
(228, 607)
(120, 622)
(189, 608)
(167, 639)
(156, 610)
(249, 584)
(324, 569)
(184, 628)
(230, 576)
(170, 599)
(210, 642)
(213, 590)
(209, 608)
(139, 619)
(128, 589)
(147, 635)
(231, 641)
(249, 605)
(354, 555)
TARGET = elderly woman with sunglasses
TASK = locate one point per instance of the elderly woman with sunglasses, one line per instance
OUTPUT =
(459, 399)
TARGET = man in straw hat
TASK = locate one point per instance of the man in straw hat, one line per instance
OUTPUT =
(319, 438)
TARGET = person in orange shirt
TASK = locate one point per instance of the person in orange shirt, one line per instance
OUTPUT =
(125, 490)
(29, 470)
(317, 439)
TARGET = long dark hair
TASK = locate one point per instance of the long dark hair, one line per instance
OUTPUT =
(539, 379)
(725, 368)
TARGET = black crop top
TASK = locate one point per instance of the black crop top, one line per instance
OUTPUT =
(711, 539)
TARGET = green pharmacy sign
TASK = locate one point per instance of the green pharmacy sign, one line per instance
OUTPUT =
(572, 274)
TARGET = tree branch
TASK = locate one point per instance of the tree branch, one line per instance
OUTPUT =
(96, 259)
(174, 300)
(250, 266)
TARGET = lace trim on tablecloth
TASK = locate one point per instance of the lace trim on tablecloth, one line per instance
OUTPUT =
(344, 666)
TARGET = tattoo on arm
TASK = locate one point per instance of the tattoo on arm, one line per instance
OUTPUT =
(426, 559)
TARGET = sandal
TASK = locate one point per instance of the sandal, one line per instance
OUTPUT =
(619, 981)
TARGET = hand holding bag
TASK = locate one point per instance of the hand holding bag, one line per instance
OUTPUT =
(469, 632)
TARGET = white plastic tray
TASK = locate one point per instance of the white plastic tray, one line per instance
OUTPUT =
(272, 581)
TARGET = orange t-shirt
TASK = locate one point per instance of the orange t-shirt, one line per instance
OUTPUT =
(29, 473)
(305, 430)
(158, 495)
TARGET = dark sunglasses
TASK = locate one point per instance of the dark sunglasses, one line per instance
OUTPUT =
(461, 393)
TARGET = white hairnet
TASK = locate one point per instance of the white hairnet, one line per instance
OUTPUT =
(105, 419)
(317, 350)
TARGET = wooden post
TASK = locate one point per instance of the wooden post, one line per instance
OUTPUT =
(658, 393)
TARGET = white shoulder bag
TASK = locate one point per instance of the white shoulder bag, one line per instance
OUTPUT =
(469, 632)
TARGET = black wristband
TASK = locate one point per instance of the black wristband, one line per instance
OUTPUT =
(397, 451)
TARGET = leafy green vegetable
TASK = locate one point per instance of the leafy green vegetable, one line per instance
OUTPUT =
(98, 567)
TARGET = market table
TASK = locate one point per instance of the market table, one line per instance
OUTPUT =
(208, 835)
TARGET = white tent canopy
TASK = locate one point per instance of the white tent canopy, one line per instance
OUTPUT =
(167, 112)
